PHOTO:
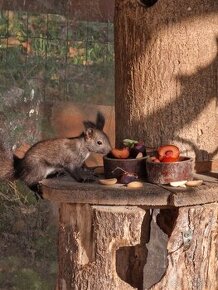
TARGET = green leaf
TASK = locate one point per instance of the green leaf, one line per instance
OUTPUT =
(129, 142)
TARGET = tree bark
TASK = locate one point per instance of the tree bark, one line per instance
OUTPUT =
(193, 251)
(166, 74)
(88, 239)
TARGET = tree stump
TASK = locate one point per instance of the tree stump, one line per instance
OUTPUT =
(163, 238)
(88, 239)
(193, 250)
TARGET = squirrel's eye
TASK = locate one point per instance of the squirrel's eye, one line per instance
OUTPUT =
(99, 143)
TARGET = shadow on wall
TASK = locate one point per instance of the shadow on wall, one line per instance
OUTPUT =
(203, 86)
(179, 104)
(198, 92)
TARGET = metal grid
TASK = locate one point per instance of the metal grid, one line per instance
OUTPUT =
(56, 58)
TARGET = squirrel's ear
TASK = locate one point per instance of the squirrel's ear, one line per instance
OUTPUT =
(89, 124)
(100, 121)
(89, 133)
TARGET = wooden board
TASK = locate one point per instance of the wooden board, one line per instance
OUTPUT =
(67, 190)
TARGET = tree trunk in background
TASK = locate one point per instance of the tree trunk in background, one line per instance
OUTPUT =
(166, 74)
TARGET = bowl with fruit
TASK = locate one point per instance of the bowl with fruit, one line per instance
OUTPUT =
(128, 162)
(167, 166)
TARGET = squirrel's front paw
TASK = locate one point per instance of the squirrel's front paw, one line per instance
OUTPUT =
(85, 175)
(88, 177)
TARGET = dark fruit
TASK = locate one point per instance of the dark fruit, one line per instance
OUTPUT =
(138, 148)
(127, 178)
(135, 147)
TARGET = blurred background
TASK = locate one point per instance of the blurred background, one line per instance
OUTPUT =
(56, 69)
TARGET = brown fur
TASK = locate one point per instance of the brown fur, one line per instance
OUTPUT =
(57, 155)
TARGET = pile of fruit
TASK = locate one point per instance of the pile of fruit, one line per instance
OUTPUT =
(137, 149)
(130, 149)
(166, 153)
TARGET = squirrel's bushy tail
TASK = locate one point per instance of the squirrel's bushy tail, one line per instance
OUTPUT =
(6, 163)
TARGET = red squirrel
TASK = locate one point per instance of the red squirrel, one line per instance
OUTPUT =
(57, 155)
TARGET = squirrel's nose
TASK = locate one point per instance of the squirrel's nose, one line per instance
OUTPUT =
(107, 150)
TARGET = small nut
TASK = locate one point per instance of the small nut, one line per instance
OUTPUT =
(139, 155)
(135, 184)
(109, 181)
(193, 183)
(180, 183)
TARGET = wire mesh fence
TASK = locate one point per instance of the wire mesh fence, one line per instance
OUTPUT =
(57, 57)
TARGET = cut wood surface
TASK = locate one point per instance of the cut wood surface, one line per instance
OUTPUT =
(150, 195)
(68, 191)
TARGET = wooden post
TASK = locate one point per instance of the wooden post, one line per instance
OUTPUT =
(166, 74)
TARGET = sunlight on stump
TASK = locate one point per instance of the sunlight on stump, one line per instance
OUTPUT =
(88, 239)
(193, 250)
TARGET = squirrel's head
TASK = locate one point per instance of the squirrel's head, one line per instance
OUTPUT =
(96, 140)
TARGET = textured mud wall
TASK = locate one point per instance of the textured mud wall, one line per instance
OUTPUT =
(166, 74)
